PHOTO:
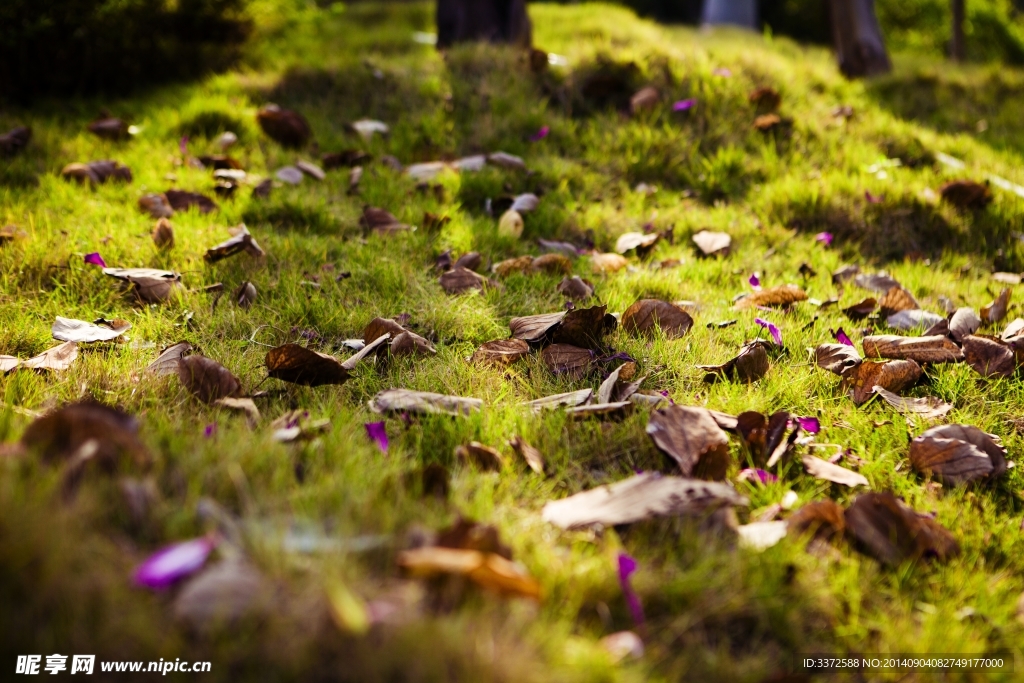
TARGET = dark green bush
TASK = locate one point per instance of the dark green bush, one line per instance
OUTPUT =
(60, 47)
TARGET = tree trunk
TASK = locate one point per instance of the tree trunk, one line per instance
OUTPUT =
(737, 12)
(958, 46)
(858, 38)
(496, 21)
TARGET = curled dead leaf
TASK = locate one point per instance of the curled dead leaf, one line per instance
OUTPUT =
(519, 264)
(181, 200)
(460, 279)
(750, 365)
(110, 128)
(892, 532)
(647, 315)
(240, 240)
(781, 296)
(501, 352)
(567, 359)
(929, 407)
(535, 328)
(167, 362)
(207, 379)
(837, 358)
(892, 375)
(245, 295)
(57, 358)
(163, 234)
(530, 454)
(958, 454)
(822, 469)
(861, 310)
(996, 310)
(876, 282)
(934, 349)
(607, 263)
(766, 439)
(87, 431)
(156, 205)
(286, 127)
(576, 288)
(570, 399)
(989, 356)
(692, 438)
(712, 243)
(299, 365)
(552, 264)
(895, 300)
(484, 457)
(642, 242)
(962, 323)
(80, 331)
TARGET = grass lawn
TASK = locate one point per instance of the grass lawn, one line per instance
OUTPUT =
(328, 517)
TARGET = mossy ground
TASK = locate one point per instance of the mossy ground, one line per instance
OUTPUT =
(714, 612)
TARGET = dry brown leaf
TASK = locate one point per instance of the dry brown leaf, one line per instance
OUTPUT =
(287, 127)
(584, 327)
(935, 349)
(781, 296)
(484, 457)
(535, 328)
(861, 310)
(570, 399)
(691, 437)
(519, 264)
(567, 359)
(156, 205)
(181, 200)
(749, 366)
(488, 570)
(80, 331)
(642, 242)
(893, 375)
(766, 439)
(837, 358)
(88, 432)
(996, 310)
(966, 194)
(241, 240)
(767, 122)
(299, 365)
(576, 288)
(607, 263)
(989, 356)
(895, 300)
(712, 243)
(423, 402)
(381, 221)
(501, 352)
(929, 407)
(57, 358)
(647, 315)
(96, 172)
(167, 362)
(822, 469)
(207, 379)
(411, 344)
(644, 496)
(459, 280)
(222, 595)
(552, 264)
(824, 519)
(765, 98)
(109, 128)
(963, 322)
(245, 295)
(958, 454)
(876, 282)
(470, 260)
(530, 454)
(892, 532)
(163, 234)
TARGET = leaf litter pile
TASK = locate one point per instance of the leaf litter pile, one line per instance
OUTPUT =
(534, 406)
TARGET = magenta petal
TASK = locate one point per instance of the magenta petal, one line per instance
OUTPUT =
(173, 562)
(809, 424)
(540, 134)
(754, 281)
(627, 566)
(873, 198)
(95, 259)
(748, 474)
(772, 329)
(722, 71)
(376, 431)
(842, 338)
(825, 238)
(183, 146)
(210, 430)
(684, 105)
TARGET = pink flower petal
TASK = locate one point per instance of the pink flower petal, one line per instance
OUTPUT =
(772, 329)
(95, 259)
(748, 474)
(873, 198)
(627, 566)
(809, 424)
(842, 338)
(722, 71)
(183, 146)
(825, 238)
(540, 134)
(174, 562)
(684, 105)
(377, 432)
(755, 281)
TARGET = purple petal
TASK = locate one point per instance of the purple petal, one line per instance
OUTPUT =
(627, 566)
(842, 338)
(748, 474)
(210, 430)
(183, 146)
(95, 259)
(376, 431)
(540, 134)
(755, 281)
(772, 329)
(825, 238)
(722, 71)
(873, 198)
(173, 562)
(684, 105)
(809, 424)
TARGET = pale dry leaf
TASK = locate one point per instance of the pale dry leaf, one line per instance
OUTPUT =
(692, 438)
(996, 310)
(958, 454)
(963, 322)
(600, 410)
(423, 402)
(929, 407)
(167, 362)
(607, 263)
(57, 358)
(893, 375)
(644, 496)
(760, 536)
(8, 363)
(568, 399)
(837, 358)
(934, 349)
(245, 405)
(914, 318)
(712, 243)
(80, 331)
(642, 242)
(240, 240)
(528, 453)
(822, 469)
(222, 595)
(552, 264)
(519, 264)
(647, 315)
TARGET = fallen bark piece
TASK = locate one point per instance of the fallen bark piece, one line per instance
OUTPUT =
(958, 454)
(644, 496)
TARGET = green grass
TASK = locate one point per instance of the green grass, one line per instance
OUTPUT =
(715, 613)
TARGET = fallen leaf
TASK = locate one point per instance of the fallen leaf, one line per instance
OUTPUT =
(892, 532)
(642, 242)
(750, 365)
(1014, 329)
(422, 402)
(895, 300)
(244, 405)
(167, 362)
(766, 439)
(348, 157)
(644, 99)
(576, 288)
(837, 358)
(935, 349)
(845, 273)
(877, 282)
(966, 194)
(570, 399)
(380, 221)
(484, 457)
(766, 122)
(110, 128)
(600, 410)
(180, 200)
(963, 322)
(222, 595)
(70, 330)
(519, 264)
(781, 296)
(552, 264)
(156, 205)
(765, 98)
(96, 172)
(528, 453)
(8, 363)
(824, 520)
(289, 174)
(525, 202)
(1007, 278)
(240, 240)
(822, 469)
(996, 310)
(15, 140)
(644, 496)
(488, 570)
(584, 327)
(411, 344)
(989, 356)
(511, 224)
(958, 454)
(470, 260)
(647, 315)
(311, 169)
(691, 437)
(567, 359)
(914, 319)
(758, 536)
(163, 234)
(506, 160)
(929, 407)
(245, 295)
(501, 352)
(892, 375)
(367, 128)
(713, 243)
(459, 280)
(861, 310)
(207, 379)
(607, 263)
(535, 328)
(57, 358)
(87, 431)
(287, 127)
(299, 365)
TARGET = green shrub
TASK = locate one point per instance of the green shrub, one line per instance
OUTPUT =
(60, 47)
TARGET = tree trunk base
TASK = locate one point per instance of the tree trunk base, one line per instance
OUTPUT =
(494, 21)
